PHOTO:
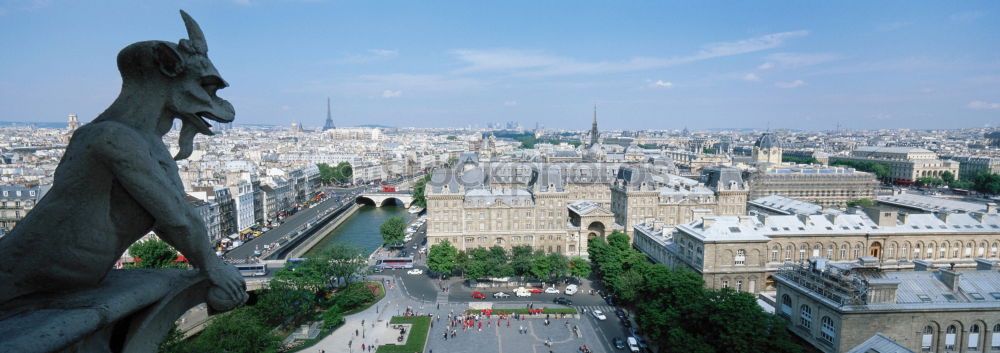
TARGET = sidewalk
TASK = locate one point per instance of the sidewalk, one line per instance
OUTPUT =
(349, 337)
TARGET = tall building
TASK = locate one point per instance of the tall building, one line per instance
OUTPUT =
(329, 117)
(825, 186)
(73, 123)
(593, 129)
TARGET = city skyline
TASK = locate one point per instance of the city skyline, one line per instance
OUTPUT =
(646, 65)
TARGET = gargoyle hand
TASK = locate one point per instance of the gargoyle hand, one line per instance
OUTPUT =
(228, 287)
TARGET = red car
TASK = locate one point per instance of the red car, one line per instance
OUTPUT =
(478, 295)
(536, 290)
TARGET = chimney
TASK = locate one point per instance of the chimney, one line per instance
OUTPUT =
(991, 207)
(706, 222)
(903, 217)
(985, 265)
(882, 290)
(949, 277)
(978, 216)
(922, 265)
(884, 218)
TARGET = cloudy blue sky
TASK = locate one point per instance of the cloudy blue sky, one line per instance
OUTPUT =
(647, 65)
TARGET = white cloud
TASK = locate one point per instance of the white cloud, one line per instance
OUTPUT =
(980, 105)
(510, 103)
(791, 60)
(793, 84)
(391, 94)
(967, 16)
(285, 107)
(661, 83)
(370, 55)
(751, 77)
(541, 63)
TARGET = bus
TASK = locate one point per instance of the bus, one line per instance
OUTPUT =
(252, 270)
(395, 262)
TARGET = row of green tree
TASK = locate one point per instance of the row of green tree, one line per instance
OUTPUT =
(341, 173)
(985, 182)
(882, 171)
(528, 140)
(494, 262)
(676, 310)
(799, 160)
(322, 287)
(417, 192)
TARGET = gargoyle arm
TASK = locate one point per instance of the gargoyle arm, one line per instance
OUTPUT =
(126, 154)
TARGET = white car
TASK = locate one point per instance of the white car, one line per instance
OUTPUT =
(571, 289)
(521, 292)
(599, 315)
(500, 295)
(551, 290)
(415, 271)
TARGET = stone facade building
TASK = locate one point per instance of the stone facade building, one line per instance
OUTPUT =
(767, 150)
(15, 203)
(742, 252)
(969, 166)
(825, 186)
(639, 196)
(836, 307)
(511, 204)
(906, 163)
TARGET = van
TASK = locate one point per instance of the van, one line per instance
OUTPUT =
(633, 345)
(571, 289)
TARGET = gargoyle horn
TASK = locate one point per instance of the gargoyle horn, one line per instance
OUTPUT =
(196, 37)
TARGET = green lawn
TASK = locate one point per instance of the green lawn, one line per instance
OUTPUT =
(381, 294)
(418, 335)
(525, 311)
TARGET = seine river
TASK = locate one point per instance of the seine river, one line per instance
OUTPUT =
(361, 229)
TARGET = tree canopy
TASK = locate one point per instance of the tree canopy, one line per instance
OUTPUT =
(443, 258)
(154, 253)
(418, 192)
(339, 174)
(393, 230)
(881, 170)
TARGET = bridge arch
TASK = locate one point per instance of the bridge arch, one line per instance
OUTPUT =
(391, 201)
(362, 200)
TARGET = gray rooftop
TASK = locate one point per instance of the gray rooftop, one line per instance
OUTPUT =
(786, 205)
(930, 203)
(880, 343)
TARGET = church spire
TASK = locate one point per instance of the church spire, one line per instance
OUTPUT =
(593, 129)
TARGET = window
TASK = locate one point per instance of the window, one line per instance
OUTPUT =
(805, 316)
(974, 338)
(995, 338)
(843, 252)
(827, 331)
(802, 252)
(788, 253)
(927, 339)
(774, 254)
(786, 305)
(741, 257)
(816, 250)
(739, 285)
(829, 251)
(725, 283)
(949, 338)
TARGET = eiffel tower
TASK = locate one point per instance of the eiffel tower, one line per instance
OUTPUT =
(329, 117)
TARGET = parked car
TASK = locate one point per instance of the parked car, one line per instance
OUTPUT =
(521, 292)
(478, 295)
(415, 271)
(626, 323)
(571, 289)
(500, 295)
(619, 343)
(563, 301)
(551, 290)
(633, 344)
(599, 315)
(620, 313)
(535, 290)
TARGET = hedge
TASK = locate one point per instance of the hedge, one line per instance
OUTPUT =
(417, 338)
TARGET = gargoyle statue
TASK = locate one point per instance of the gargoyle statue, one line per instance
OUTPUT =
(117, 180)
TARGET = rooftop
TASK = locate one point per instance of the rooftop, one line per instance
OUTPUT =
(931, 204)
(786, 205)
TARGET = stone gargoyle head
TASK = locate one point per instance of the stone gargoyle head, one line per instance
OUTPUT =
(183, 77)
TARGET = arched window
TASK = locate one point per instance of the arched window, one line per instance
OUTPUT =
(950, 336)
(805, 316)
(916, 251)
(995, 338)
(829, 251)
(974, 338)
(827, 331)
(786, 306)
(788, 252)
(740, 258)
(802, 252)
(857, 251)
(774, 253)
(816, 249)
(739, 285)
(927, 339)
(904, 252)
(981, 251)
(993, 249)
(843, 252)
(891, 251)
(968, 249)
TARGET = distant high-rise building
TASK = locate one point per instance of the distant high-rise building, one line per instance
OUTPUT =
(73, 123)
(593, 129)
(329, 117)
